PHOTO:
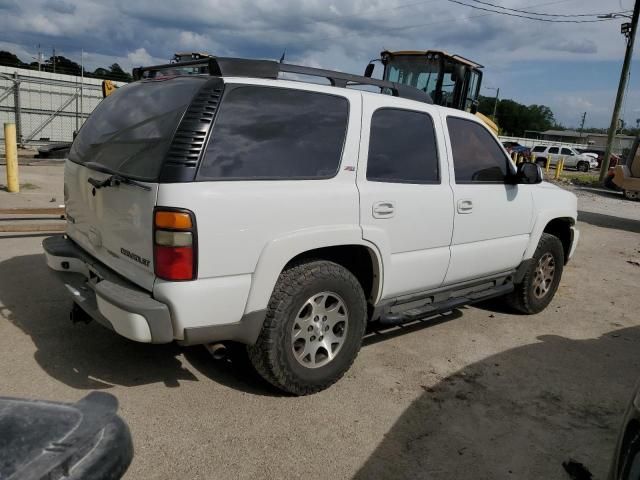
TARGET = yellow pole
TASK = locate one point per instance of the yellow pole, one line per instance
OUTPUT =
(548, 165)
(11, 153)
(557, 174)
(561, 165)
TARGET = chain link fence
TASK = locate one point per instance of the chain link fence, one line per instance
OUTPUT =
(46, 107)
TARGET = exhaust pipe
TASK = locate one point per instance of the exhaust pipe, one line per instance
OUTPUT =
(217, 350)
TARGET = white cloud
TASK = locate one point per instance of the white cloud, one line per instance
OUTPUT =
(343, 34)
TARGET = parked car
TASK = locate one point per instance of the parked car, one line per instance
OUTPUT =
(572, 159)
(287, 215)
(626, 458)
(599, 155)
(515, 147)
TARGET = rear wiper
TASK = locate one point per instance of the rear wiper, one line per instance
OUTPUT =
(114, 180)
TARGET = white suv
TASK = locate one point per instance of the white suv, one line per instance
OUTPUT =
(287, 215)
(572, 158)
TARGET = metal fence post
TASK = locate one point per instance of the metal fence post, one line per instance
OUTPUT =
(18, 109)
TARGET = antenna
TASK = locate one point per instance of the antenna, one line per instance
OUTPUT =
(283, 54)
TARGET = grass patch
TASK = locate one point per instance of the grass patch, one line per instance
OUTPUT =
(576, 178)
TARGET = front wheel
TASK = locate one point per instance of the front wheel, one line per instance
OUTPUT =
(583, 167)
(313, 329)
(541, 281)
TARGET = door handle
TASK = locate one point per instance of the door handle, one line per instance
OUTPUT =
(465, 206)
(383, 210)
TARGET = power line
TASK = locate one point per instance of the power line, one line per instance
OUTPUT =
(549, 14)
(529, 17)
(428, 24)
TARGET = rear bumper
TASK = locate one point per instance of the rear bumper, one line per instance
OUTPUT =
(105, 296)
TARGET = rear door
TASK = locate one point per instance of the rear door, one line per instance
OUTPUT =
(406, 203)
(554, 154)
(128, 134)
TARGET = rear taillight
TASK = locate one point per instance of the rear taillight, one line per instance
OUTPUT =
(175, 252)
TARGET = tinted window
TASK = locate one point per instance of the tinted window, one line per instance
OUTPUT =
(553, 150)
(477, 157)
(402, 147)
(566, 151)
(539, 148)
(276, 133)
(130, 131)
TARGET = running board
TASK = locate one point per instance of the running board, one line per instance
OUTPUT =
(398, 316)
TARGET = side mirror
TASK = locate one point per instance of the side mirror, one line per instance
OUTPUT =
(529, 173)
(368, 71)
(474, 107)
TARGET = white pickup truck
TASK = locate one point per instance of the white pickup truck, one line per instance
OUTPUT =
(285, 215)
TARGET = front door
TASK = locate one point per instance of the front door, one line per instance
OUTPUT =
(406, 203)
(493, 219)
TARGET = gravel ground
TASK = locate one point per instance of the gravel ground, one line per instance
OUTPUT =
(481, 393)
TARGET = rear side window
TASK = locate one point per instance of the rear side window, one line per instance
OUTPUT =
(477, 157)
(539, 148)
(566, 151)
(402, 147)
(131, 130)
(553, 150)
(276, 133)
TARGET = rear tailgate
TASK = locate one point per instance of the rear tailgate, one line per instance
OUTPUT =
(114, 166)
(114, 224)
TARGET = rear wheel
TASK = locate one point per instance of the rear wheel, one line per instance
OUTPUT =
(313, 329)
(541, 281)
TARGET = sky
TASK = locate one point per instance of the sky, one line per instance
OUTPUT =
(572, 68)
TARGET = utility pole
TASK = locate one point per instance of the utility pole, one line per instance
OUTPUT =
(629, 30)
(54, 59)
(495, 104)
(584, 117)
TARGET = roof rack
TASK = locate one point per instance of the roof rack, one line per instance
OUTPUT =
(241, 67)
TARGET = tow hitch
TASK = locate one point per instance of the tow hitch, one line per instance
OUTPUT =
(78, 315)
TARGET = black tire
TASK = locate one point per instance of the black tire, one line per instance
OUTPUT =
(273, 354)
(525, 298)
(608, 182)
(582, 167)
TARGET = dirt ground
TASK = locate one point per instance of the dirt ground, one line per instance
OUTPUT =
(481, 393)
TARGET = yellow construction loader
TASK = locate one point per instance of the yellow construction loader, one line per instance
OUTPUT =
(451, 80)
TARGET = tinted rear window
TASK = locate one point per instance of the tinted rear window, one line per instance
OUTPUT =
(276, 133)
(402, 147)
(539, 148)
(130, 131)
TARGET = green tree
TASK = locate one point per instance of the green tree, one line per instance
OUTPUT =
(63, 65)
(9, 59)
(515, 118)
(116, 73)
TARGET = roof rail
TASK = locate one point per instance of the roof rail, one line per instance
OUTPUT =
(242, 67)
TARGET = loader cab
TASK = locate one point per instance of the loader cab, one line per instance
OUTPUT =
(451, 80)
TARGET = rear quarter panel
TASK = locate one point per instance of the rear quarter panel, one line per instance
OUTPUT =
(249, 230)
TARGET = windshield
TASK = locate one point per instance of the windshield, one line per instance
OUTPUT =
(131, 130)
(422, 74)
